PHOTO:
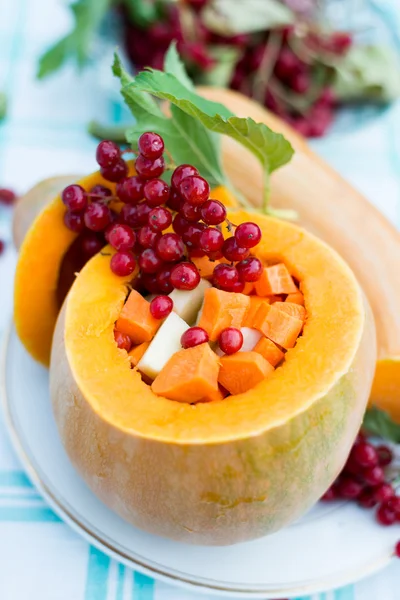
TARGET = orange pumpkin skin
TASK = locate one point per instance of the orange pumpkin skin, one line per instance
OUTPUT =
(220, 472)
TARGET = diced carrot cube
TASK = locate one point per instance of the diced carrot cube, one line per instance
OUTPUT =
(222, 309)
(189, 376)
(205, 266)
(255, 303)
(217, 396)
(292, 309)
(137, 352)
(278, 326)
(242, 371)
(296, 298)
(269, 351)
(248, 288)
(136, 319)
(275, 280)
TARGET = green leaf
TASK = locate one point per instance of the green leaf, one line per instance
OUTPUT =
(116, 133)
(220, 75)
(3, 106)
(271, 149)
(379, 423)
(88, 15)
(368, 73)
(174, 65)
(187, 140)
(229, 17)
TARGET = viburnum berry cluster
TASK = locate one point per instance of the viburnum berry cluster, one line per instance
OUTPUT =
(150, 206)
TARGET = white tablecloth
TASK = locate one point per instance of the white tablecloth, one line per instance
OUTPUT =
(44, 134)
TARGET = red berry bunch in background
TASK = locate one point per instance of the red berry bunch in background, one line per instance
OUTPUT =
(161, 227)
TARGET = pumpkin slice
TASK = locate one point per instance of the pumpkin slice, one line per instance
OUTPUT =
(332, 209)
(222, 309)
(216, 472)
(189, 375)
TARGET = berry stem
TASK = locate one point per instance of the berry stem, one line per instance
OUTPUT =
(266, 68)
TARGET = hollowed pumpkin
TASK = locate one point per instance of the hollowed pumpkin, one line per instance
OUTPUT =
(218, 472)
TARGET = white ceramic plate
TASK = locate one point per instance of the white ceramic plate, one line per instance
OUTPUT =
(333, 545)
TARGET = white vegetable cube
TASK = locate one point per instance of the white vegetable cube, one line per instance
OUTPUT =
(165, 343)
(250, 338)
(187, 303)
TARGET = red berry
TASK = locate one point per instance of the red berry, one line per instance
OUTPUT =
(193, 337)
(98, 192)
(373, 475)
(2, 246)
(190, 212)
(191, 235)
(107, 153)
(180, 224)
(185, 276)
(385, 455)
(7, 196)
(91, 244)
(394, 504)
(213, 212)
(149, 281)
(147, 237)
(174, 201)
(367, 499)
(116, 172)
(383, 492)
(250, 269)
(329, 495)
(215, 255)
(149, 261)
(397, 550)
(74, 221)
(224, 276)
(151, 145)
(349, 487)
(211, 240)
(237, 287)
(156, 192)
(74, 198)
(123, 263)
(194, 189)
(143, 212)
(364, 455)
(287, 64)
(148, 168)
(300, 82)
(130, 189)
(248, 235)
(97, 216)
(232, 251)
(159, 218)
(161, 306)
(181, 172)
(196, 253)
(164, 280)
(129, 215)
(124, 342)
(230, 340)
(170, 247)
(385, 515)
(121, 237)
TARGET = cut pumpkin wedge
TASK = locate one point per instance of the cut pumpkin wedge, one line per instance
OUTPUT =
(225, 471)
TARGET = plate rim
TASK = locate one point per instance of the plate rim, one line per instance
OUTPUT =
(67, 515)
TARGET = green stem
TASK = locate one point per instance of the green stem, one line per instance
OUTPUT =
(3, 106)
(266, 192)
(107, 132)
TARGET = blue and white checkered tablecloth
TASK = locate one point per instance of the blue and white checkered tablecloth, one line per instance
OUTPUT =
(44, 134)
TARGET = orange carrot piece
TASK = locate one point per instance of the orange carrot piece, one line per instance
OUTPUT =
(275, 280)
(222, 309)
(255, 303)
(205, 266)
(269, 351)
(278, 326)
(296, 298)
(217, 396)
(242, 371)
(248, 288)
(292, 309)
(137, 352)
(189, 376)
(136, 319)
